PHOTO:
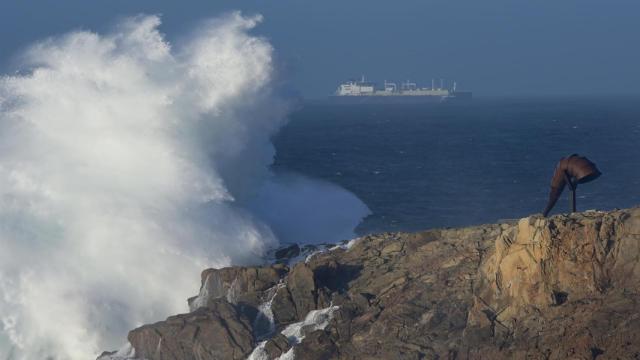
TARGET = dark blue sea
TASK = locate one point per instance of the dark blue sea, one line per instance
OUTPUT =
(426, 166)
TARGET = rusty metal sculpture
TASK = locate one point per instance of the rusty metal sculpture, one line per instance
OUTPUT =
(571, 170)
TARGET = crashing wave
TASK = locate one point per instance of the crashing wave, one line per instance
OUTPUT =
(129, 164)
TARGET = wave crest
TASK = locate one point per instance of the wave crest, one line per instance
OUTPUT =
(128, 165)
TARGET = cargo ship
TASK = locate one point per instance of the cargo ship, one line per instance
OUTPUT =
(364, 92)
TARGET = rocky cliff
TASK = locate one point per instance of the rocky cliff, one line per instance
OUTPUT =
(566, 287)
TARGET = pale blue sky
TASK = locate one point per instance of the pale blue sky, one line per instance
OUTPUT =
(493, 47)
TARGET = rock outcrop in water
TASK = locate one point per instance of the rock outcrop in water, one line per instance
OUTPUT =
(566, 287)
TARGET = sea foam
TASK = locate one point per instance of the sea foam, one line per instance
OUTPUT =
(127, 166)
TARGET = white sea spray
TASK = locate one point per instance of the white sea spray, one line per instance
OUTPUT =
(127, 166)
(315, 320)
(264, 322)
(295, 333)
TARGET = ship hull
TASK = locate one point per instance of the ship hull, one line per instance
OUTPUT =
(399, 99)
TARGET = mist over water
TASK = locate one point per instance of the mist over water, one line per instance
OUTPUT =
(127, 166)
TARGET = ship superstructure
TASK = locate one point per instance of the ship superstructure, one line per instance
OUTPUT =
(364, 92)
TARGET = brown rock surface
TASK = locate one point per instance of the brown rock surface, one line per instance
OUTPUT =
(216, 332)
(236, 284)
(566, 287)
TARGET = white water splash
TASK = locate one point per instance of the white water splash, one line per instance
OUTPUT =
(265, 314)
(295, 333)
(127, 166)
(201, 299)
(315, 320)
(126, 352)
(346, 246)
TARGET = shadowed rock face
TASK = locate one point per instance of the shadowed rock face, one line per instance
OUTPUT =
(556, 288)
(238, 285)
(217, 332)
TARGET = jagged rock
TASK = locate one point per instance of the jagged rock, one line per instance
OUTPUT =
(566, 287)
(316, 346)
(286, 253)
(106, 355)
(297, 298)
(236, 284)
(301, 285)
(412, 298)
(218, 331)
(283, 308)
(124, 353)
(572, 283)
(277, 346)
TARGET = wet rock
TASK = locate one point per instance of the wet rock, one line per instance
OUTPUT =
(106, 355)
(287, 253)
(316, 345)
(277, 346)
(218, 331)
(236, 284)
(301, 285)
(283, 308)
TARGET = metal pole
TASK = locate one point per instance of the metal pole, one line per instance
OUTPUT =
(573, 188)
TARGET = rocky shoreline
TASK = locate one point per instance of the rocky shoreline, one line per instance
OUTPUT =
(565, 287)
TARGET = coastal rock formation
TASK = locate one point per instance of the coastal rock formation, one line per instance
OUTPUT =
(238, 285)
(215, 332)
(566, 287)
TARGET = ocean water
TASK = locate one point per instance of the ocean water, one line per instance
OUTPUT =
(426, 166)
